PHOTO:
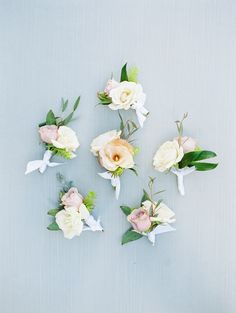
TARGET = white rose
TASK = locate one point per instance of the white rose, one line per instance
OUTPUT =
(126, 94)
(69, 221)
(67, 139)
(167, 155)
(164, 214)
(99, 142)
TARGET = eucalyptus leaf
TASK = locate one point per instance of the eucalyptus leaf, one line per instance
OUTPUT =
(124, 75)
(130, 235)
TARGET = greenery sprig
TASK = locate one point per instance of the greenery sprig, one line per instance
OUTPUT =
(52, 119)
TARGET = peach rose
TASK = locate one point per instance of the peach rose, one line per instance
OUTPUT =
(48, 133)
(139, 219)
(188, 144)
(72, 198)
(117, 153)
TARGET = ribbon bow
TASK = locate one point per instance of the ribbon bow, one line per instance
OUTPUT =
(180, 173)
(141, 112)
(159, 229)
(41, 165)
(115, 181)
(93, 225)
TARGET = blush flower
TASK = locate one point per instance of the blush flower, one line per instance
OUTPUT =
(72, 198)
(139, 219)
(48, 133)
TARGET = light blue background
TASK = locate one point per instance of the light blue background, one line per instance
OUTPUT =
(186, 54)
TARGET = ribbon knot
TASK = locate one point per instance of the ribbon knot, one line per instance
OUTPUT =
(180, 173)
(141, 111)
(41, 165)
(159, 229)
(115, 181)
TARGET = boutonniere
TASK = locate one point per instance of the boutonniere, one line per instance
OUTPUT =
(182, 156)
(73, 214)
(58, 139)
(126, 94)
(149, 219)
(116, 153)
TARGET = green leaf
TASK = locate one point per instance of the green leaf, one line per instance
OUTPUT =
(193, 156)
(104, 99)
(64, 105)
(50, 119)
(53, 226)
(145, 196)
(89, 200)
(133, 74)
(134, 170)
(53, 212)
(126, 210)
(200, 166)
(124, 75)
(42, 124)
(130, 235)
(68, 155)
(68, 118)
(76, 104)
(136, 150)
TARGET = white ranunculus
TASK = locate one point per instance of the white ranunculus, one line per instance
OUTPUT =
(126, 94)
(167, 155)
(164, 214)
(69, 221)
(67, 139)
(99, 142)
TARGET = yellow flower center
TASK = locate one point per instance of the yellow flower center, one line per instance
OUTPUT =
(116, 157)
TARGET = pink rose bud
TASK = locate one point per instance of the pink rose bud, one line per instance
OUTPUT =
(188, 144)
(48, 133)
(139, 219)
(72, 198)
(110, 85)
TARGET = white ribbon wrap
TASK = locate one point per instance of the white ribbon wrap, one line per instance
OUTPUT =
(141, 112)
(41, 165)
(159, 229)
(180, 173)
(93, 225)
(115, 182)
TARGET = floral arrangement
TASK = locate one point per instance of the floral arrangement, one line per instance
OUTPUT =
(126, 94)
(182, 156)
(116, 153)
(73, 214)
(58, 139)
(151, 218)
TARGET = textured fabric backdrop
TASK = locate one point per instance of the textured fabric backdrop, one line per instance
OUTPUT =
(186, 52)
